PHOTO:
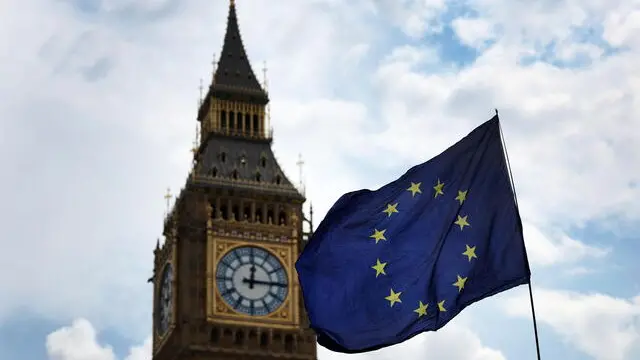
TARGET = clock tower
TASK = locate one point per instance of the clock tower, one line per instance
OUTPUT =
(224, 280)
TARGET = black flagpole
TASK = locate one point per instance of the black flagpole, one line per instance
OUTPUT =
(533, 310)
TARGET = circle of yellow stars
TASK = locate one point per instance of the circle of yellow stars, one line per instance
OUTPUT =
(462, 222)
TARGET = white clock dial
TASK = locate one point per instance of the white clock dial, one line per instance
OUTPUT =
(252, 280)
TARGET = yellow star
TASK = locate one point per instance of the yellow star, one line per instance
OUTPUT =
(379, 267)
(438, 188)
(462, 222)
(441, 306)
(391, 209)
(470, 252)
(394, 297)
(422, 309)
(462, 196)
(378, 235)
(415, 188)
(460, 283)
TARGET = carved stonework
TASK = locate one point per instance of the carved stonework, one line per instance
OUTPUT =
(209, 210)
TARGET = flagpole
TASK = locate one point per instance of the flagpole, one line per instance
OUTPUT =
(515, 198)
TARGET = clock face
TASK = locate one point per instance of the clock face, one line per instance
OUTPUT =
(165, 300)
(252, 280)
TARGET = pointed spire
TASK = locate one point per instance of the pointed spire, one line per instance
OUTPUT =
(234, 75)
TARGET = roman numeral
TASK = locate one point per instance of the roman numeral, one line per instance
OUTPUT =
(235, 253)
(266, 306)
(276, 295)
(238, 302)
(228, 291)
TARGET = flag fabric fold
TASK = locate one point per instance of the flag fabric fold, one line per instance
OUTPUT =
(386, 265)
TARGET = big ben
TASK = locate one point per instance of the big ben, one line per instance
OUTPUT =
(224, 280)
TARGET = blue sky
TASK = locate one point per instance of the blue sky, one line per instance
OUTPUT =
(98, 116)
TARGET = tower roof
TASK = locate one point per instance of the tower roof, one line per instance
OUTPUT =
(234, 75)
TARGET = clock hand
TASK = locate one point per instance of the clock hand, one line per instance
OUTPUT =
(252, 277)
(260, 282)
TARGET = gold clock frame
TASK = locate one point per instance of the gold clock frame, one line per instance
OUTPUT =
(287, 316)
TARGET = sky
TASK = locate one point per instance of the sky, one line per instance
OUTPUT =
(97, 118)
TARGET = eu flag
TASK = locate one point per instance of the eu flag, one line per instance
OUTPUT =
(386, 265)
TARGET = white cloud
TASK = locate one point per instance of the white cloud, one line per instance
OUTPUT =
(621, 26)
(414, 17)
(544, 250)
(579, 271)
(453, 342)
(604, 327)
(79, 342)
(473, 32)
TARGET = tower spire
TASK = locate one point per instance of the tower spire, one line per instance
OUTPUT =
(233, 74)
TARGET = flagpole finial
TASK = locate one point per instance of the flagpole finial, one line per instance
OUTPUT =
(496, 110)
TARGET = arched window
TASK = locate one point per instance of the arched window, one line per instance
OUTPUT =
(224, 212)
(256, 124)
(270, 216)
(264, 340)
(253, 336)
(235, 212)
(214, 171)
(278, 179)
(223, 120)
(258, 176)
(239, 339)
(247, 123)
(232, 120)
(258, 214)
(215, 335)
(288, 343)
(214, 211)
(234, 174)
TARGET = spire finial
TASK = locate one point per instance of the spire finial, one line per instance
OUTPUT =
(300, 164)
(167, 197)
(232, 3)
(264, 76)
(196, 145)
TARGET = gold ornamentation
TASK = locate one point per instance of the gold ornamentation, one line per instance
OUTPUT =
(286, 317)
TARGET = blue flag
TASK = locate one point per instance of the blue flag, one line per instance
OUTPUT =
(386, 265)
